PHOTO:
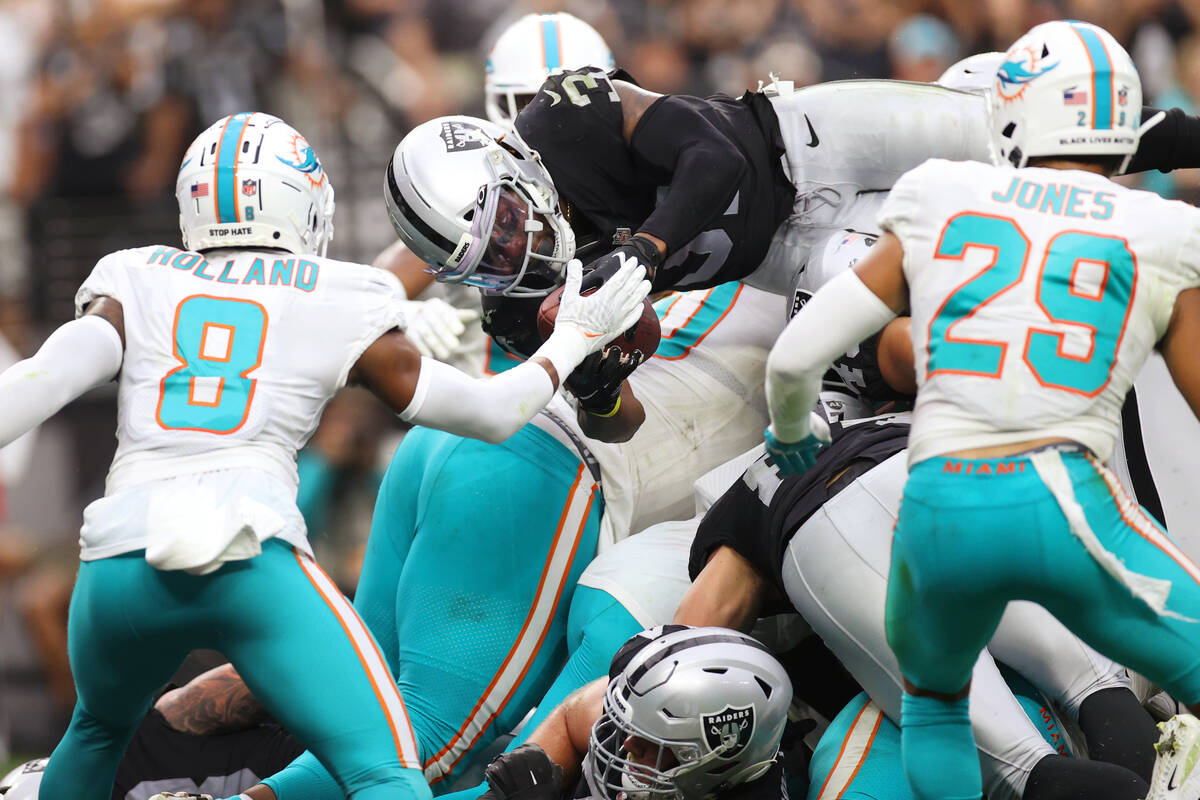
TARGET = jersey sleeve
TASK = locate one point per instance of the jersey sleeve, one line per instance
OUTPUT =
(902, 210)
(379, 307)
(740, 520)
(109, 278)
(1189, 253)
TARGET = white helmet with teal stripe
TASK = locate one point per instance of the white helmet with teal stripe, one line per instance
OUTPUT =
(529, 51)
(251, 180)
(1065, 88)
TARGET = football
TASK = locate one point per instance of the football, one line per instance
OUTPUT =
(643, 336)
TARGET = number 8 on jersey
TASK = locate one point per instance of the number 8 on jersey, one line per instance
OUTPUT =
(218, 342)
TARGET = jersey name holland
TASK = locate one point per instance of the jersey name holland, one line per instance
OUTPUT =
(1036, 296)
(230, 357)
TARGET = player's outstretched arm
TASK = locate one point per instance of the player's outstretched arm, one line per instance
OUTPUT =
(561, 740)
(426, 392)
(1180, 345)
(78, 356)
(217, 701)
(848, 309)
(1172, 143)
(727, 593)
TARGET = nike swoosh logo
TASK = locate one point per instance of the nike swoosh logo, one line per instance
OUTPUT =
(815, 141)
(1171, 784)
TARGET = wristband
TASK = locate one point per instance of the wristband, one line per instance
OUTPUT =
(616, 407)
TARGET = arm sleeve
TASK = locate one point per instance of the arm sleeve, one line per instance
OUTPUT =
(706, 169)
(840, 315)
(491, 409)
(1173, 143)
(78, 356)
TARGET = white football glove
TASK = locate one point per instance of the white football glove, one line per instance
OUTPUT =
(434, 326)
(607, 312)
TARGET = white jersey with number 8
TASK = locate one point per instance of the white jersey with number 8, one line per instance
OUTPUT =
(1036, 296)
(230, 356)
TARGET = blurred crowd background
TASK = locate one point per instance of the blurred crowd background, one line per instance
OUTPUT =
(99, 98)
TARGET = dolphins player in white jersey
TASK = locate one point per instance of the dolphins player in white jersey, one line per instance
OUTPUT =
(226, 352)
(1036, 295)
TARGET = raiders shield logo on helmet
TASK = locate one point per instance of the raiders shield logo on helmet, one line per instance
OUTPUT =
(460, 136)
(729, 730)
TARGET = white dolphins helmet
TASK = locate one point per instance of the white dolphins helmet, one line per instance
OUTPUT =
(1065, 88)
(529, 51)
(709, 703)
(472, 201)
(22, 782)
(251, 180)
(972, 74)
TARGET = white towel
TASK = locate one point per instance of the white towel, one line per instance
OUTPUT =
(195, 530)
(1150, 590)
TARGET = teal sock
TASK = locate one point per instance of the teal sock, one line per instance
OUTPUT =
(938, 749)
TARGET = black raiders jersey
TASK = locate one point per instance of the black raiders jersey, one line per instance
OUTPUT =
(575, 124)
(161, 759)
(760, 513)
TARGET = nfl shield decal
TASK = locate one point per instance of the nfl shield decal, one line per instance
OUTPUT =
(729, 730)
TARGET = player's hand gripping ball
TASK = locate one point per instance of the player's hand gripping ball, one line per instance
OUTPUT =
(639, 342)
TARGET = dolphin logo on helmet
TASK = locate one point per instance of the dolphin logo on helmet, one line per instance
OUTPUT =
(1014, 74)
(306, 161)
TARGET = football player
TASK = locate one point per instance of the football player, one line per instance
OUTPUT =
(1004, 454)
(513, 546)
(226, 351)
(524, 55)
(704, 191)
(688, 713)
(819, 544)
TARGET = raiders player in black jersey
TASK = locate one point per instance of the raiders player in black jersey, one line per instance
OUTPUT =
(702, 191)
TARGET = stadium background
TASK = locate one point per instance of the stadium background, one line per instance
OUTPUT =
(99, 98)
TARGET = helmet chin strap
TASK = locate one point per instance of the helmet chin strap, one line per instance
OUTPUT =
(1141, 131)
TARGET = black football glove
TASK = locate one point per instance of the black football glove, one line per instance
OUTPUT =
(526, 773)
(639, 248)
(596, 382)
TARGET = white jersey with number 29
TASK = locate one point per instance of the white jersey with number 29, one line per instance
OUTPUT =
(230, 356)
(1036, 296)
